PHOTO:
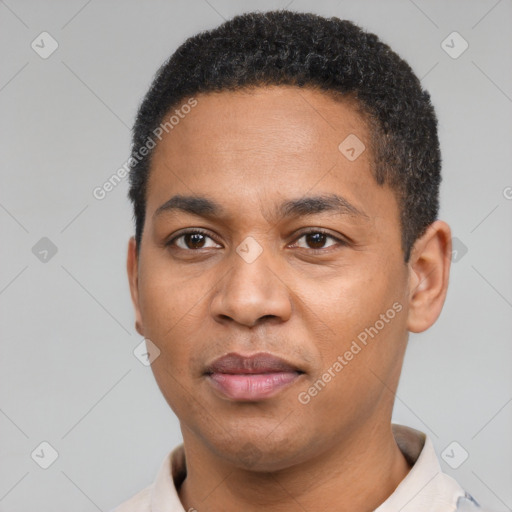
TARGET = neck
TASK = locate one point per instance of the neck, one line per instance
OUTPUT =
(358, 473)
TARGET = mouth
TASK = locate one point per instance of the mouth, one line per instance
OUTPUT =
(251, 378)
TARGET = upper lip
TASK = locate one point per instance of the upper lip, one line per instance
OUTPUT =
(262, 362)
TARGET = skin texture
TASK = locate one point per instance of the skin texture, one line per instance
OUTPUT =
(198, 300)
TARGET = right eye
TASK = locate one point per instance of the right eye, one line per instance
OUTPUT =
(191, 240)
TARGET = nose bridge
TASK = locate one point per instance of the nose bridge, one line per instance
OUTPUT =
(251, 289)
(253, 265)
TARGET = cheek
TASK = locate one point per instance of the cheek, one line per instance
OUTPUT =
(167, 310)
(349, 301)
(365, 313)
(168, 314)
(168, 299)
(359, 366)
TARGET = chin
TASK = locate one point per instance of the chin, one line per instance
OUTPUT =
(265, 450)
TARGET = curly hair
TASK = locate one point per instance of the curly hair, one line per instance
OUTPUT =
(306, 50)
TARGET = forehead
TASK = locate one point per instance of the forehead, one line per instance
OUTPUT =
(284, 118)
(252, 147)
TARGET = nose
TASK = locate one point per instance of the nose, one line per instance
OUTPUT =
(251, 293)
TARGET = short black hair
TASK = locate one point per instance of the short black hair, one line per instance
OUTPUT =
(336, 56)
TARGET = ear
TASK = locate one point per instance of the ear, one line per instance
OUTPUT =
(133, 278)
(429, 270)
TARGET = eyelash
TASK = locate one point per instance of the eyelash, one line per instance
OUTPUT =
(339, 241)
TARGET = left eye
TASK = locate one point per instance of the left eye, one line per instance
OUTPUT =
(317, 240)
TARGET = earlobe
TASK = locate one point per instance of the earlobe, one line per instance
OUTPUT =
(429, 269)
(133, 280)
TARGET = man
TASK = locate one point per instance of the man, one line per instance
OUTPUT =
(285, 176)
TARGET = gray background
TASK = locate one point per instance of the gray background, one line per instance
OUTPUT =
(67, 369)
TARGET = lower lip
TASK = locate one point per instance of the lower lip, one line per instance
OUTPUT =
(251, 386)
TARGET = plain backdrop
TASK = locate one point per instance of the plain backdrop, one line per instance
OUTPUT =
(68, 373)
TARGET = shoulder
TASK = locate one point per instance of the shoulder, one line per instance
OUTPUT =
(140, 502)
(161, 494)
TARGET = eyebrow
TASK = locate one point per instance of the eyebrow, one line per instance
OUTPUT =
(203, 207)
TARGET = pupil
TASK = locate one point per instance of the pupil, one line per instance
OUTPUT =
(317, 240)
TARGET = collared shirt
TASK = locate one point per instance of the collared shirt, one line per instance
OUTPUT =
(424, 489)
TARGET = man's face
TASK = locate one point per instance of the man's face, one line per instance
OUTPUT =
(253, 280)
